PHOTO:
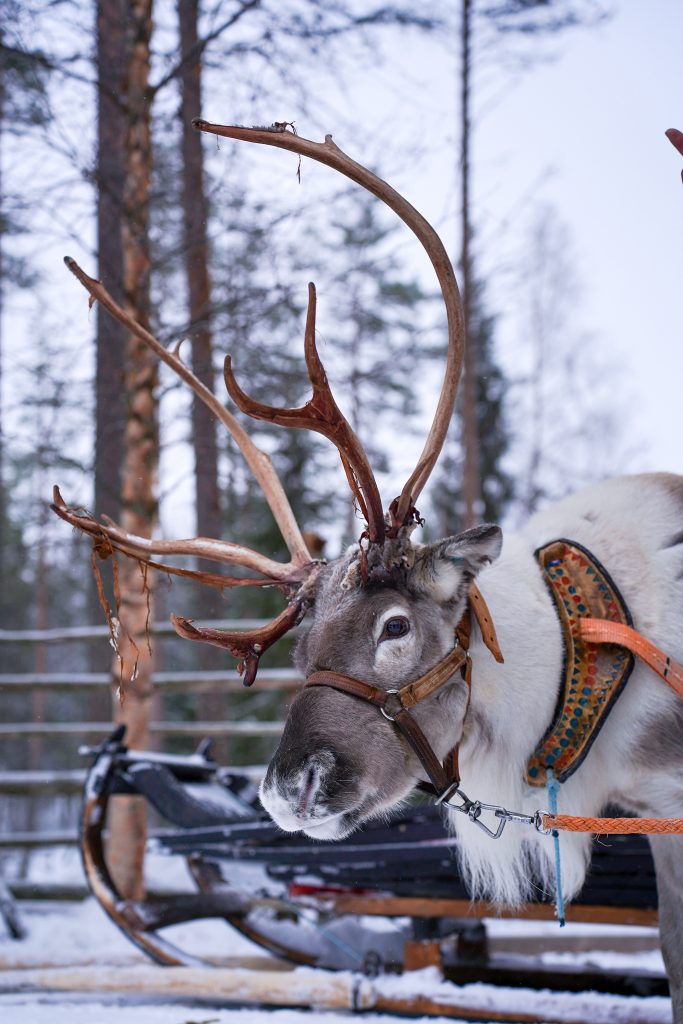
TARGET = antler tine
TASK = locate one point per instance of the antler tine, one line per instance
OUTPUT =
(330, 154)
(322, 414)
(259, 463)
(248, 645)
(676, 139)
(142, 548)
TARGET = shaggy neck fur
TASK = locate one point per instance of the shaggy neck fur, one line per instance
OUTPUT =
(507, 715)
(513, 704)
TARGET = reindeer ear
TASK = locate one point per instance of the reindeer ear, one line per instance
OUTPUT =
(445, 569)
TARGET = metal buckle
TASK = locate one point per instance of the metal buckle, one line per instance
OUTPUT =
(539, 826)
(448, 792)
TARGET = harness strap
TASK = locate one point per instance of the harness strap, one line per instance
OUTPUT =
(440, 775)
(392, 702)
(602, 631)
(480, 610)
(395, 704)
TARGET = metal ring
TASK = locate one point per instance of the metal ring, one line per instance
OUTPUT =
(389, 718)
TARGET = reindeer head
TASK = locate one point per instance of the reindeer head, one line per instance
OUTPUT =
(341, 761)
(381, 616)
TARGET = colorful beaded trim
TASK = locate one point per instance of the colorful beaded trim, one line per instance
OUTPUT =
(594, 674)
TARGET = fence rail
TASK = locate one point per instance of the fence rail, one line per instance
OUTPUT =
(38, 783)
(248, 727)
(42, 783)
(68, 634)
(230, 681)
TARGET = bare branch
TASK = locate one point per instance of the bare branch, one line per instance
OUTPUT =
(196, 52)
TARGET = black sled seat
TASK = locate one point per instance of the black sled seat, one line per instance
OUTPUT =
(314, 902)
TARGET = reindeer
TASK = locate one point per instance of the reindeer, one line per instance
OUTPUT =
(395, 696)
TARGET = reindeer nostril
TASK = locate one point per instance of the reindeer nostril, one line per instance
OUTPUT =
(307, 790)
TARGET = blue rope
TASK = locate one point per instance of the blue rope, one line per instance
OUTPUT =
(553, 787)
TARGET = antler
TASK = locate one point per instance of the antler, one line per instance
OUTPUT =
(327, 152)
(676, 139)
(321, 413)
(259, 463)
(289, 577)
(108, 536)
(249, 644)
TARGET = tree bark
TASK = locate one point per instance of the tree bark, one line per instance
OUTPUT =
(470, 428)
(207, 603)
(109, 371)
(140, 446)
(195, 216)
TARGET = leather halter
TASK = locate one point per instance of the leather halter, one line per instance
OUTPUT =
(395, 704)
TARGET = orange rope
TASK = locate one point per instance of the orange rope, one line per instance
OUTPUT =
(604, 631)
(572, 823)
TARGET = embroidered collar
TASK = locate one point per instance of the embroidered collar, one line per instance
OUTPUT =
(594, 674)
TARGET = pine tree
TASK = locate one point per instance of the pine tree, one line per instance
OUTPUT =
(497, 485)
(23, 107)
(486, 488)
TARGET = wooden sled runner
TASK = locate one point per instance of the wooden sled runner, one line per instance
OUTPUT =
(387, 899)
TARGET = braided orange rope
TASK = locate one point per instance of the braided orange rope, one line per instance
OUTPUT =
(614, 826)
(604, 631)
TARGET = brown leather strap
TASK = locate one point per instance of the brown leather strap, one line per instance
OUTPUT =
(602, 631)
(441, 777)
(438, 774)
(485, 622)
(347, 684)
(435, 677)
(395, 704)
(394, 701)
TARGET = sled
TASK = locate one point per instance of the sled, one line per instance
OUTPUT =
(386, 899)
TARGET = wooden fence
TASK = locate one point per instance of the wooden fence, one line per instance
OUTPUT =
(251, 717)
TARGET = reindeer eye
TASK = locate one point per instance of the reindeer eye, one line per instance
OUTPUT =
(394, 628)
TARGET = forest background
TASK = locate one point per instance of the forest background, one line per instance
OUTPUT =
(529, 132)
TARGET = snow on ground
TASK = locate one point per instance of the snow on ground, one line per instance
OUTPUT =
(85, 1012)
(81, 934)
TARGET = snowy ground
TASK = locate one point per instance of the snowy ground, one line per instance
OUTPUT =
(81, 935)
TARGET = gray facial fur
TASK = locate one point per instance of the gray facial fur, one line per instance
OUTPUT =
(340, 761)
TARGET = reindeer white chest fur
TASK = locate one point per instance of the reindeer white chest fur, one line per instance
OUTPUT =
(629, 524)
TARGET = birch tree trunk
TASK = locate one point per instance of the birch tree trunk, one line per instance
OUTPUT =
(140, 446)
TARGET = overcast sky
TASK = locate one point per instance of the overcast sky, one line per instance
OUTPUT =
(585, 132)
